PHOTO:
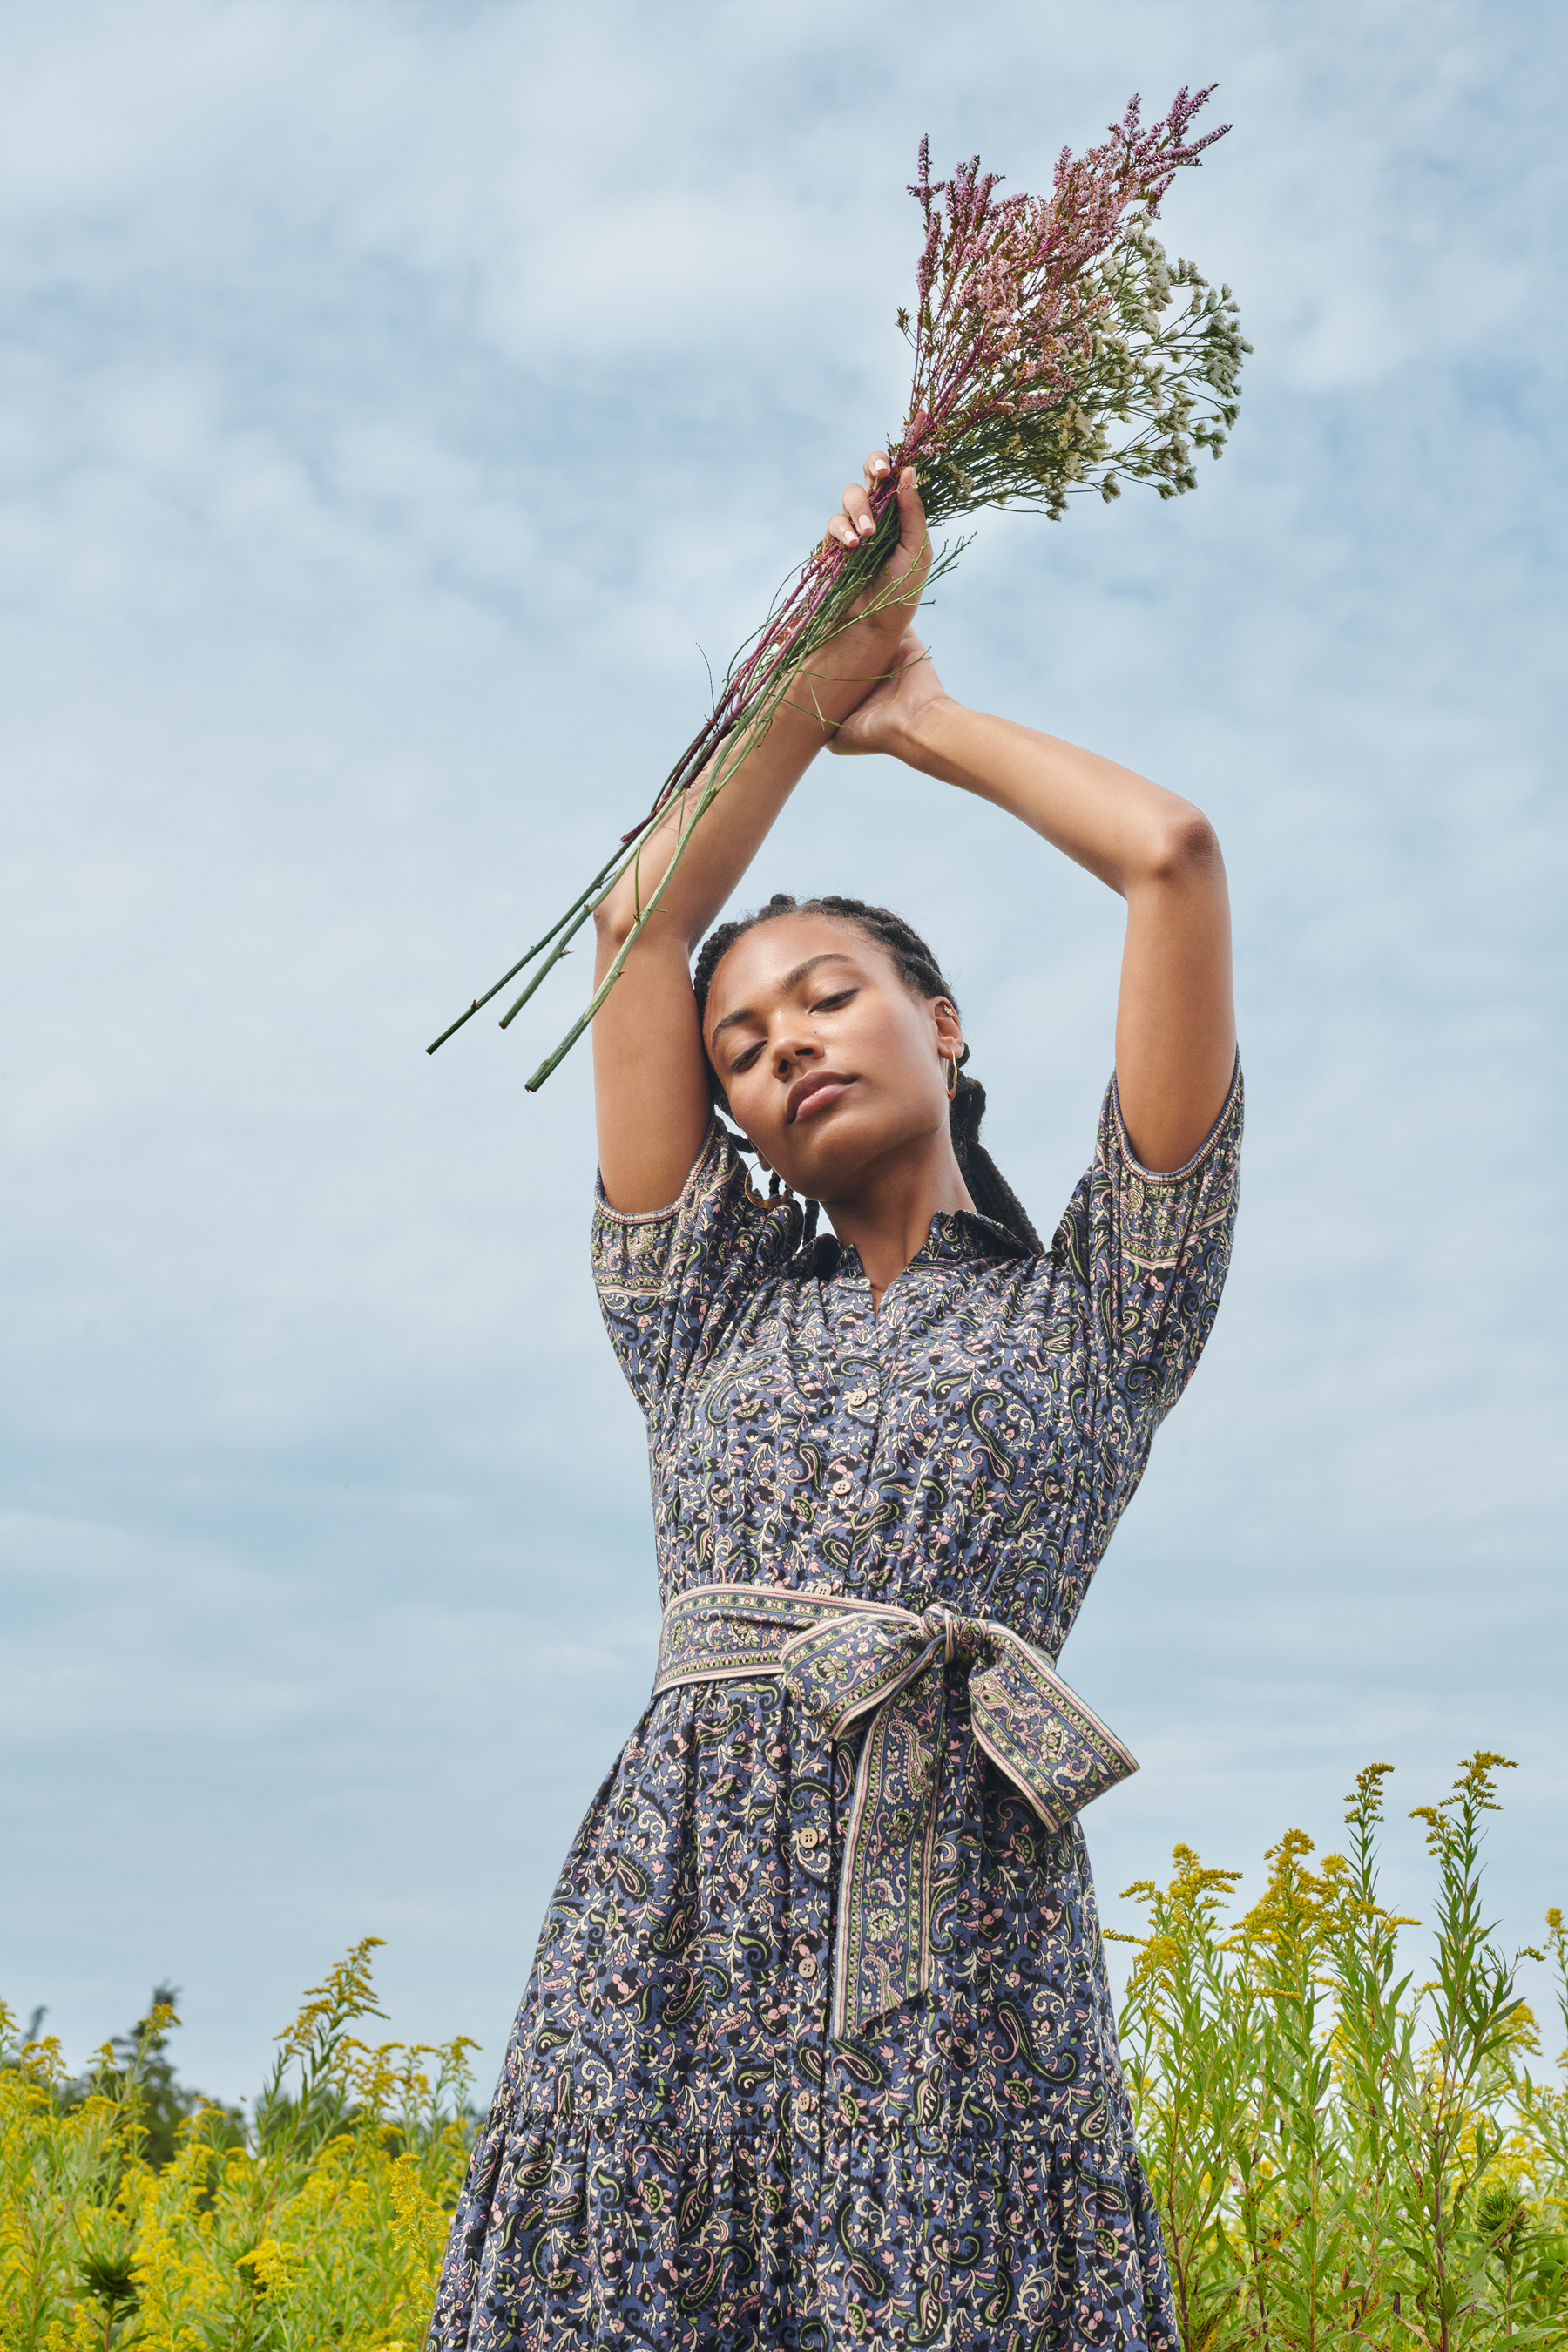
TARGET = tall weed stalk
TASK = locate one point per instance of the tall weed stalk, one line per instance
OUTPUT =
(325, 2227)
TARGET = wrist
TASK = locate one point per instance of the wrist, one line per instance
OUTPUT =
(866, 652)
(921, 731)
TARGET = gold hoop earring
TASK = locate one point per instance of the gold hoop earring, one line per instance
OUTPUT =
(951, 1077)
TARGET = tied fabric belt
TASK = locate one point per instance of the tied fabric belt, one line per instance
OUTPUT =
(843, 1661)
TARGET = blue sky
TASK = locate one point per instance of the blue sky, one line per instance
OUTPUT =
(394, 399)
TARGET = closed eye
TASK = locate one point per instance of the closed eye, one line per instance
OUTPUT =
(833, 1003)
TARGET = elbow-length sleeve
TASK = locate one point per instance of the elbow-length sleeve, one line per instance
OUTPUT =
(1148, 1252)
(671, 1282)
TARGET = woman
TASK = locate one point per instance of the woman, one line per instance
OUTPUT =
(761, 2094)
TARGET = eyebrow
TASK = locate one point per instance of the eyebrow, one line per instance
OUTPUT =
(791, 980)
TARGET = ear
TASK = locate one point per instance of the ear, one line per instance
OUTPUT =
(948, 1027)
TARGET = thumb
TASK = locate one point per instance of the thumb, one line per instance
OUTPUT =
(911, 514)
(912, 560)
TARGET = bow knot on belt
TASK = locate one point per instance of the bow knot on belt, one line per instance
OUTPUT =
(847, 1663)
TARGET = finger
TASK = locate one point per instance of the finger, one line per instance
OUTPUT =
(840, 531)
(877, 468)
(858, 508)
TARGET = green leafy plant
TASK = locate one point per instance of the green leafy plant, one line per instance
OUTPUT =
(1343, 2157)
(323, 2225)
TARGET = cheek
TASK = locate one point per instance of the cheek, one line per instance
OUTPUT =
(756, 1102)
(887, 1047)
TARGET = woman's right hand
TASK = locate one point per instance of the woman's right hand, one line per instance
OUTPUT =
(890, 658)
(891, 600)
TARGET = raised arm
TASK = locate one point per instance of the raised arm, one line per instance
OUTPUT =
(650, 1072)
(1175, 1018)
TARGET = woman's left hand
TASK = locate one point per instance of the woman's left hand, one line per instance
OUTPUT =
(887, 717)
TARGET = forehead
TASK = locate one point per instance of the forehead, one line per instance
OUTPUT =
(758, 966)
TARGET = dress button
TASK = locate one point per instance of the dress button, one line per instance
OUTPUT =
(809, 1840)
(807, 1967)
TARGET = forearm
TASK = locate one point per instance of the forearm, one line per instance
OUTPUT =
(1176, 1024)
(758, 780)
(651, 1071)
(1124, 829)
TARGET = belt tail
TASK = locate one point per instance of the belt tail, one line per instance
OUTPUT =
(885, 1890)
(1053, 1748)
(845, 1662)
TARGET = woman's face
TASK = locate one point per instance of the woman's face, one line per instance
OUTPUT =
(831, 1067)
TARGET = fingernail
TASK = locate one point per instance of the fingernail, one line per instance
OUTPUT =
(866, 523)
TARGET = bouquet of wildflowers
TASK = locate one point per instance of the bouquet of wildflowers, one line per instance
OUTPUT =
(1056, 350)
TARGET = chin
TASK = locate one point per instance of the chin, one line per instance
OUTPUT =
(852, 1138)
(823, 1174)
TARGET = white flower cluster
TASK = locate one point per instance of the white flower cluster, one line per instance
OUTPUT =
(1128, 394)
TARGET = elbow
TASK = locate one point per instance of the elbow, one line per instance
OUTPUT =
(614, 923)
(1183, 848)
(616, 920)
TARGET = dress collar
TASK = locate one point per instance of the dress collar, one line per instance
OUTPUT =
(957, 1236)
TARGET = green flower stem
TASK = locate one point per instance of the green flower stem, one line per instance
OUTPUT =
(523, 960)
(549, 964)
(861, 562)
(748, 734)
(591, 908)
(832, 620)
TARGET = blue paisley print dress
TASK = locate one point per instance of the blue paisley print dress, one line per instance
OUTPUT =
(680, 2154)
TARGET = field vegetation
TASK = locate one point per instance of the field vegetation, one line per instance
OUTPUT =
(1347, 2153)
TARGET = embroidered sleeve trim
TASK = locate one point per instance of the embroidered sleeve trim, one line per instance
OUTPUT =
(610, 1217)
(1168, 1177)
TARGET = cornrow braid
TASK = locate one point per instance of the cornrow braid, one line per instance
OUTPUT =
(920, 972)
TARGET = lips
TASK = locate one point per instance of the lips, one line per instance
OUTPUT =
(814, 1094)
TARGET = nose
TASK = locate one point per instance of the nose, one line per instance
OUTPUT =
(790, 1050)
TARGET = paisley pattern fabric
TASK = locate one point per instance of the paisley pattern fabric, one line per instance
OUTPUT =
(680, 2154)
(846, 1659)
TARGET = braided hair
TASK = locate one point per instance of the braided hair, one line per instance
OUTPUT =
(921, 974)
